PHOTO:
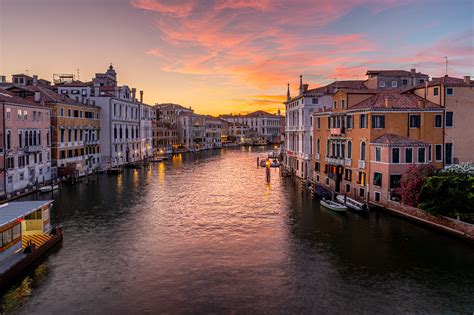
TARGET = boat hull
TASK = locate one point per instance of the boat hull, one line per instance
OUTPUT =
(17, 269)
(336, 208)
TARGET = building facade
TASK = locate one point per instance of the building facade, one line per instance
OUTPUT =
(262, 125)
(26, 144)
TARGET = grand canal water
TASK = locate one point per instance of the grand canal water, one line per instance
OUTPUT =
(204, 233)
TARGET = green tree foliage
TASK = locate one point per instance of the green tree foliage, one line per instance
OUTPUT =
(449, 193)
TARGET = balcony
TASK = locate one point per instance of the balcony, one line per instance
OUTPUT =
(335, 160)
(33, 148)
(361, 164)
(336, 131)
(318, 156)
(347, 162)
(91, 142)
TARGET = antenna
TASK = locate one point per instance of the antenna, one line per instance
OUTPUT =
(446, 57)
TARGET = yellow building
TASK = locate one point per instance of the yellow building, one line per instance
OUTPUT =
(348, 140)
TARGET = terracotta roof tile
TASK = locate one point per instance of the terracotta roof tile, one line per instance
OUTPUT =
(393, 139)
(449, 82)
(8, 97)
(394, 99)
(395, 73)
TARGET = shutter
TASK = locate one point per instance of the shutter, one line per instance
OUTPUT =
(382, 121)
(373, 121)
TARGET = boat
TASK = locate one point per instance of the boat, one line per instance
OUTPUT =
(332, 205)
(29, 237)
(49, 188)
(355, 205)
(263, 162)
(275, 163)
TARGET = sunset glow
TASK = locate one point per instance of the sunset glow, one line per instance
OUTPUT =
(233, 56)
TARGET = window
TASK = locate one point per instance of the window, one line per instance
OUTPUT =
(334, 104)
(438, 121)
(350, 121)
(436, 91)
(348, 188)
(448, 151)
(318, 146)
(430, 150)
(347, 174)
(62, 111)
(362, 150)
(8, 113)
(395, 181)
(404, 81)
(9, 140)
(315, 101)
(378, 154)
(382, 84)
(449, 119)
(378, 121)
(415, 121)
(361, 192)
(394, 84)
(319, 122)
(395, 155)
(438, 152)
(343, 103)
(449, 91)
(10, 163)
(408, 155)
(377, 196)
(421, 155)
(349, 149)
(421, 81)
(363, 121)
(377, 179)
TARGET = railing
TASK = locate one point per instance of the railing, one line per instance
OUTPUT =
(32, 148)
(361, 164)
(335, 160)
(91, 142)
(335, 131)
(318, 156)
(347, 162)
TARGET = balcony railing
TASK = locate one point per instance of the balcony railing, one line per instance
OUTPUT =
(361, 164)
(336, 131)
(347, 162)
(318, 156)
(32, 148)
(335, 160)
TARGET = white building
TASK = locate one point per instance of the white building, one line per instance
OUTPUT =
(299, 123)
(192, 131)
(147, 113)
(121, 142)
(261, 124)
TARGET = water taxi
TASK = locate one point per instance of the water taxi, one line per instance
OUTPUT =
(26, 235)
(334, 206)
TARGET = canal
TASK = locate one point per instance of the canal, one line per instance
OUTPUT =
(204, 233)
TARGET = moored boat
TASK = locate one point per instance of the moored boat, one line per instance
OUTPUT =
(48, 188)
(27, 236)
(355, 205)
(332, 205)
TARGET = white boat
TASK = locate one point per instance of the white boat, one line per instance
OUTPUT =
(48, 188)
(334, 206)
(353, 204)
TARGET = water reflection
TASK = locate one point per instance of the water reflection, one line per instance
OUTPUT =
(204, 233)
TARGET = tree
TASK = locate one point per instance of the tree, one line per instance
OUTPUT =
(450, 193)
(412, 181)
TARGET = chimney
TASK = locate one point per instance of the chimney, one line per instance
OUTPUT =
(96, 91)
(134, 94)
(37, 96)
(35, 80)
(413, 71)
(426, 89)
(141, 97)
(301, 84)
(388, 102)
(467, 79)
(305, 87)
(288, 97)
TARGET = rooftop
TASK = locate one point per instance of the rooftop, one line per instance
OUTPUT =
(396, 73)
(394, 99)
(8, 97)
(9, 212)
(450, 82)
(393, 139)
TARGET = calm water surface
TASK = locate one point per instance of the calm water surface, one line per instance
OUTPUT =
(204, 233)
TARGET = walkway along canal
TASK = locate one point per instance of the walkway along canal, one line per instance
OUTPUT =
(204, 232)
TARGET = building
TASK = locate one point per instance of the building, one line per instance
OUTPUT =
(191, 131)
(166, 127)
(120, 119)
(25, 158)
(147, 113)
(238, 132)
(213, 132)
(75, 127)
(456, 96)
(262, 125)
(299, 152)
(366, 140)
(394, 79)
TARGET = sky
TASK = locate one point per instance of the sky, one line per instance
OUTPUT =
(233, 56)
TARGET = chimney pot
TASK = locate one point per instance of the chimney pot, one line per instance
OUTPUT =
(141, 96)
(134, 94)
(413, 70)
(467, 79)
(35, 80)
(388, 102)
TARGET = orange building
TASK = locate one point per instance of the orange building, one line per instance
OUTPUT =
(369, 137)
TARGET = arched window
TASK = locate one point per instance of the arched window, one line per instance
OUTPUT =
(328, 146)
(318, 144)
(349, 149)
(362, 151)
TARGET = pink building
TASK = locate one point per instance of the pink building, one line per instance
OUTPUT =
(390, 156)
(25, 157)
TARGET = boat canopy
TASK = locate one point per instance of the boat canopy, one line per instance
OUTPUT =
(9, 212)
